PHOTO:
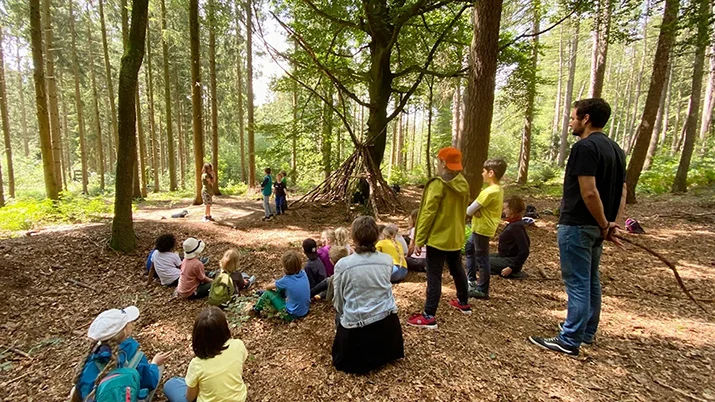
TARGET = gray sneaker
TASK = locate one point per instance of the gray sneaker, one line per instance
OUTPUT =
(586, 343)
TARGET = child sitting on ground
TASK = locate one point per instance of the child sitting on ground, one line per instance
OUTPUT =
(514, 242)
(393, 248)
(165, 263)
(216, 373)
(228, 281)
(314, 268)
(342, 239)
(415, 262)
(324, 290)
(327, 238)
(193, 282)
(289, 295)
(112, 346)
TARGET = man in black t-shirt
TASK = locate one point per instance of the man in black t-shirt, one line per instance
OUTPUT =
(593, 201)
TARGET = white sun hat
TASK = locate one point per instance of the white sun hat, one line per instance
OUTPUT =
(193, 247)
(110, 322)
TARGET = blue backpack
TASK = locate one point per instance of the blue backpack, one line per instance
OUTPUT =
(120, 385)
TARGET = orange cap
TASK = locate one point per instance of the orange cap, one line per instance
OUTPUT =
(452, 158)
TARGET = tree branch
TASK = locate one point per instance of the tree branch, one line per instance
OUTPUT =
(339, 21)
(529, 35)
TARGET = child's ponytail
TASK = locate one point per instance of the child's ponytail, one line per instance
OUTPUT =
(92, 346)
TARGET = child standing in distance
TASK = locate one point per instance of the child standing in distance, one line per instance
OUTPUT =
(314, 268)
(415, 261)
(514, 242)
(342, 239)
(207, 190)
(327, 238)
(216, 373)
(112, 346)
(279, 188)
(165, 263)
(486, 215)
(440, 227)
(393, 248)
(289, 295)
(267, 190)
(284, 180)
(193, 282)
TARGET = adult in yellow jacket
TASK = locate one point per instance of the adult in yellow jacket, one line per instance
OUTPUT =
(440, 226)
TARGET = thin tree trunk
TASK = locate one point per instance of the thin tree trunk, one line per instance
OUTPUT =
(428, 159)
(249, 95)
(78, 101)
(23, 113)
(123, 237)
(327, 125)
(655, 94)
(162, 146)
(393, 146)
(680, 182)
(616, 106)
(622, 137)
(631, 134)
(157, 156)
(110, 85)
(573, 52)
(413, 147)
(167, 104)
(142, 145)
(294, 126)
(196, 107)
(601, 35)
(666, 112)
(709, 97)
(659, 120)
(525, 151)
(239, 94)
(66, 158)
(479, 97)
(557, 105)
(179, 131)
(457, 113)
(214, 104)
(5, 129)
(677, 130)
(52, 93)
(95, 101)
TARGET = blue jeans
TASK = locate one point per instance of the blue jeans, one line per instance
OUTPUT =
(398, 274)
(580, 250)
(267, 205)
(175, 390)
(280, 202)
(477, 251)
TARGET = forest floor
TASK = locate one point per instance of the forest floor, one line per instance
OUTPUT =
(653, 343)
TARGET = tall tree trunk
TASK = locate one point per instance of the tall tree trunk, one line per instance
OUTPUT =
(78, 101)
(573, 52)
(239, 94)
(659, 120)
(142, 145)
(631, 133)
(179, 131)
(326, 140)
(196, 107)
(214, 104)
(413, 146)
(249, 95)
(167, 103)
(601, 33)
(625, 115)
(95, 101)
(531, 96)
(655, 93)
(400, 139)
(709, 96)
(23, 113)
(680, 183)
(52, 93)
(110, 85)
(554, 149)
(294, 126)
(162, 146)
(677, 129)
(428, 159)
(66, 160)
(5, 129)
(666, 112)
(123, 237)
(393, 146)
(481, 82)
(457, 113)
(157, 156)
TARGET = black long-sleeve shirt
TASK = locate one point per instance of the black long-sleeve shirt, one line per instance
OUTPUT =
(514, 243)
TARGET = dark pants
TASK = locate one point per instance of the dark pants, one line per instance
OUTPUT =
(321, 289)
(416, 264)
(496, 264)
(477, 251)
(398, 274)
(435, 264)
(280, 203)
(361, 350)
(201, 292)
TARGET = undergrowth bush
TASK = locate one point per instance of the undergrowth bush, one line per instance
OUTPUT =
(659, 179)
(31, 213)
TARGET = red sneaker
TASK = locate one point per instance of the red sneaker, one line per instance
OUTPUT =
(464, 308)
(422, 321)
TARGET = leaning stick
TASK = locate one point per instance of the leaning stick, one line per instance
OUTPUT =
(670, 265)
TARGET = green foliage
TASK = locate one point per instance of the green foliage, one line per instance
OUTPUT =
(416, 176)
(31, 213)
(659, 179)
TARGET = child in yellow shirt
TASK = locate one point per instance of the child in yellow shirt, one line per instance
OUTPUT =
(393, 248)
(486, 214)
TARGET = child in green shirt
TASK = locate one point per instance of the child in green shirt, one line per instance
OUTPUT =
(486, 214)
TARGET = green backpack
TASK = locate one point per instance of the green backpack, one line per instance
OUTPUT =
(121, 384)
(221, 289)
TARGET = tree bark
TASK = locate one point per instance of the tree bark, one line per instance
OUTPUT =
(214, 104)
(78, 101)
(655, 93)
(557, 105)
(481, 82)
(110, 85)
(326, 139)
(179, 131)
(249, 95)
(52, 93)
(239, 95)
(666, 112)
(457, 113)
(142, 147)
(66, 159)
(95, 102)
(709, 96)
(601, 33)
(294, 127)
(428, 159)
(196, 107)
(680, 182)
(677, 130)
(167, 102)
(629, 136)
(23, 113)
(43, 117)
(123, 237)
(659, 120)
(155, 137)
(525, 151)
(5, 129)
(573, 52)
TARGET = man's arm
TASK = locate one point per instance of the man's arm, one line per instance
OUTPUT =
(622, 206)
(592, 199)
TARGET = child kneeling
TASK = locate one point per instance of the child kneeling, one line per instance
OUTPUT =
(514, 242)
(289, 295)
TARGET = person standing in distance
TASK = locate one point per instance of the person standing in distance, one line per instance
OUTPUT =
(594, 199)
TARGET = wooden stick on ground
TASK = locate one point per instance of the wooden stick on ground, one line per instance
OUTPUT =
(17, 351)
(18, 378)
(81, 284)
(670, 265)
(680, 391)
